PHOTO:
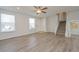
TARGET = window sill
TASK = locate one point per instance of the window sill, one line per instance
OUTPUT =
(8, 32)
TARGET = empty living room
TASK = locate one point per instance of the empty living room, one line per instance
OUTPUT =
(39, 28)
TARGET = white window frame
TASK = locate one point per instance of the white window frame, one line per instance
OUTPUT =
(14, 24)
(32, 23)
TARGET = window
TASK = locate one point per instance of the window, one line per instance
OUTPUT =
(7, 23)
(31, 23)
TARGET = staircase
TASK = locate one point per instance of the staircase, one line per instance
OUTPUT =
(61, 28)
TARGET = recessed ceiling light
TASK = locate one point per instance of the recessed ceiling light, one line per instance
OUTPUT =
(18, 8)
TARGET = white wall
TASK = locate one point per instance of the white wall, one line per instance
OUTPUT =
(42, 24)
(52, 24)
(73, 15)
(22, 26)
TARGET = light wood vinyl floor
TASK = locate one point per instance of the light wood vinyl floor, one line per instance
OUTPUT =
(40, 42)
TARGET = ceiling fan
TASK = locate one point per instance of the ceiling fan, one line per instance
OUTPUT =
(40, 9)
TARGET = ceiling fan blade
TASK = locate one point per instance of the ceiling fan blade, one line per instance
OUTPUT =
(39, 7)
(44, 8)
(44, 11)
(36, 7)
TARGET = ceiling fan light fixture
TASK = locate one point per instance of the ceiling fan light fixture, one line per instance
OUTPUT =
(38, 11)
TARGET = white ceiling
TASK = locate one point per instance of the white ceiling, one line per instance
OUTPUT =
(52, 10)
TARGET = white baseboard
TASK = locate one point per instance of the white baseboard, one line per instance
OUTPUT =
(21, 35)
